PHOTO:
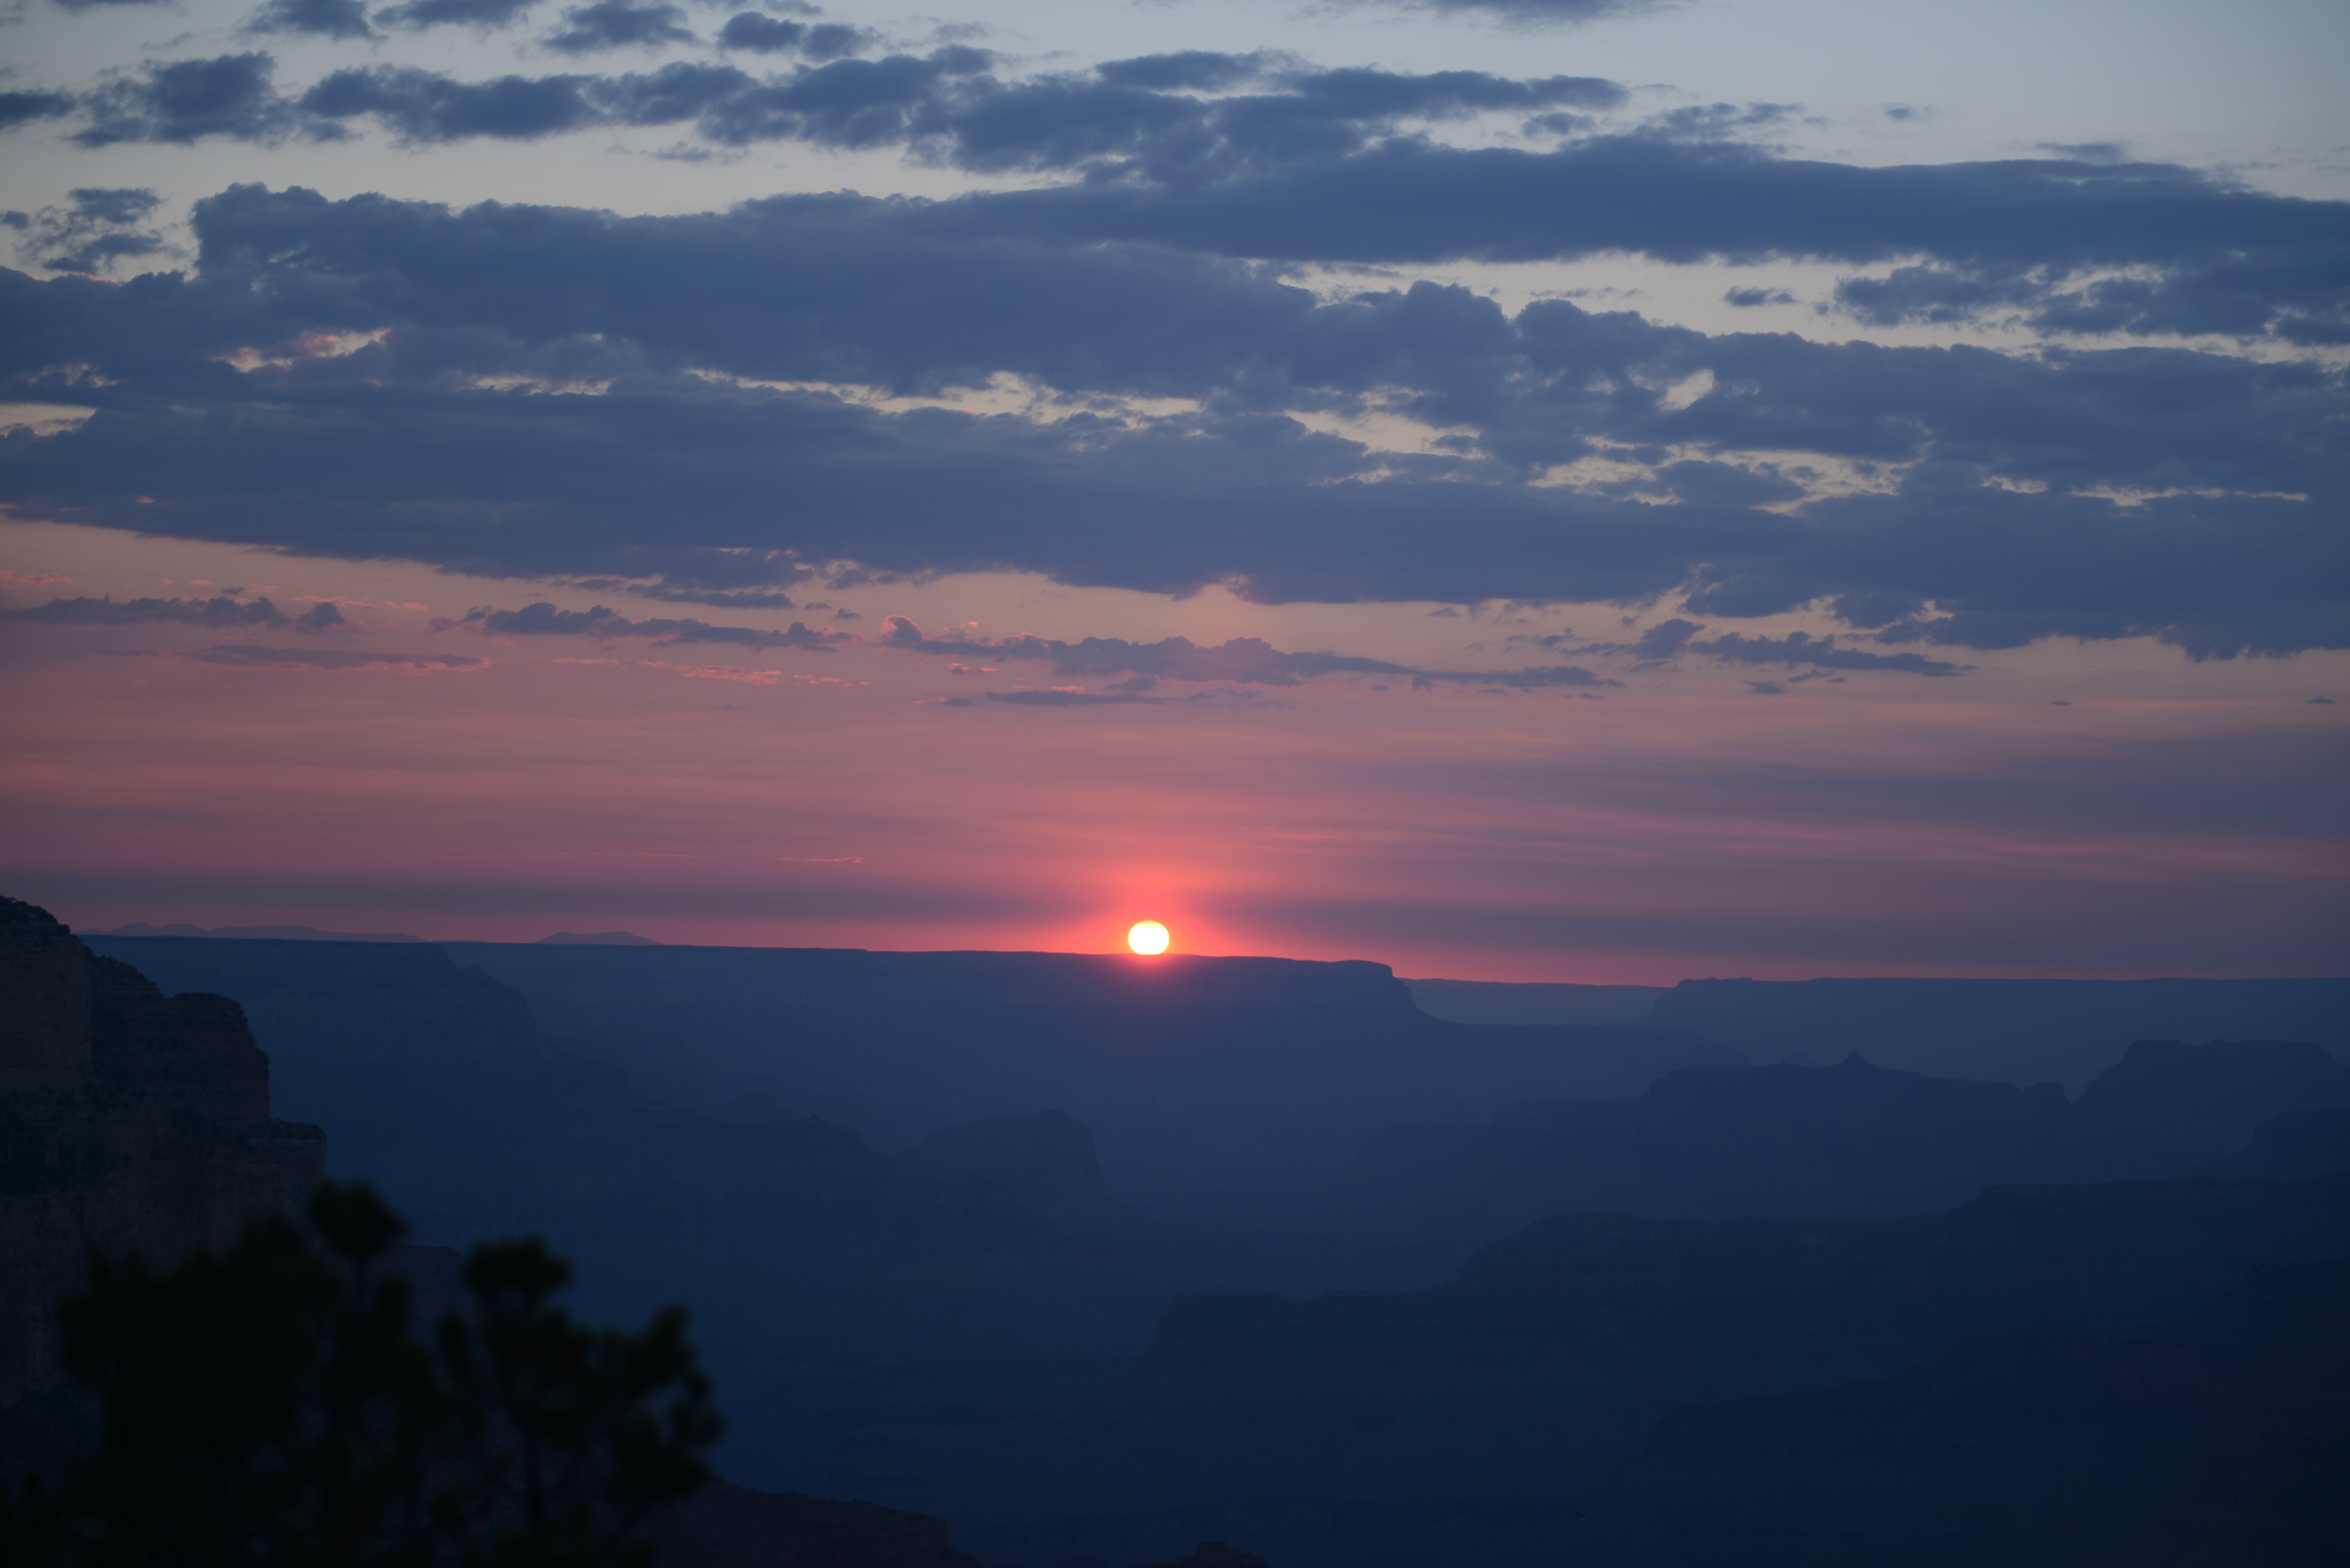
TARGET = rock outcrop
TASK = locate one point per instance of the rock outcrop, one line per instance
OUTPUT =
(128, 1120)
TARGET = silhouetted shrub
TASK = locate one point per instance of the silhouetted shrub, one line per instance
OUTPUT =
(274, 1404)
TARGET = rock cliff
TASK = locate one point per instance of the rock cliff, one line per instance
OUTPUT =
(128, 1120)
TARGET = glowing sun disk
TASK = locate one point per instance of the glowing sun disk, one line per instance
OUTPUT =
(1147, 937)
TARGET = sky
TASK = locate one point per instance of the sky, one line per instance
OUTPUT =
(1530, 490)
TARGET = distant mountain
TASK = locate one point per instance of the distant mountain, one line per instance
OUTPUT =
(595, 940)
(1465, 1423)
(2017, 1031)
(254, 933)
(1711, 1143)
(2294, 1146)
(1047, 1161)
(1495, 1001)
(1221, 1090)
(2218, 1439)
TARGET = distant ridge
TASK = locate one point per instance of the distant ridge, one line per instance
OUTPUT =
(1538, 1003)
(595, 939)
(257, 933)
(2020, 1031)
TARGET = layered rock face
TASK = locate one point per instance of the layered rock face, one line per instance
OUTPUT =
(128, 1120)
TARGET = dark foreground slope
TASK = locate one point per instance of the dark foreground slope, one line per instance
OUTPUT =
(2215, 1440)
(1464, 1422)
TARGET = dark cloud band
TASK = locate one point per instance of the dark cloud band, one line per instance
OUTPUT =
(543, 619)
(1262, 157)
(544, 392)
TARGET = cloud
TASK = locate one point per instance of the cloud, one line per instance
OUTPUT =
(188, 101)
(212, 612)
(253, 656)
(1261, 156)
(1531, 677)
(1819, 653)
(1534, 11)
(1116, 117)
(671, 590)
(1669, 640)
(1264, 157)
(1200, 71)
(24, 107)
(424, 106)
(1243, 660)
(616, 24)
(2222, 258)
(318, 18)
(1718, 121)
(1139, 114)
(418, 14)
(755, 34)
(543, 619)
(102, 226)
(543, 391)
(1058, 699)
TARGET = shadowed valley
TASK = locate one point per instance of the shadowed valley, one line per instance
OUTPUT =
(1097, 1260)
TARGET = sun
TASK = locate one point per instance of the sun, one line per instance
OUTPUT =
(1147, 937)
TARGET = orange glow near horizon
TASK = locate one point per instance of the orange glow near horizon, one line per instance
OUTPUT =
(1148, 938)
(2168, 817)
